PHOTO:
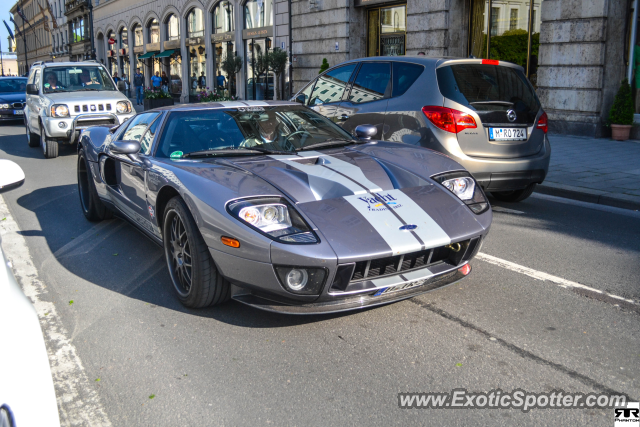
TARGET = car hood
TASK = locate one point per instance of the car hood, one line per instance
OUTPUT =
(12, 97)
(86, 97)
(359, 198)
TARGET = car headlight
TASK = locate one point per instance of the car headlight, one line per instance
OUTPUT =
(465, 188)
(4, 106)
(273, 217)
(59, 110)
(123, 107)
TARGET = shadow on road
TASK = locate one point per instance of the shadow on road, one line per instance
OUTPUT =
(116, 256)
(16, 145)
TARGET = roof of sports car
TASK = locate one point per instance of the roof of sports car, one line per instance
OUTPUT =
(224, 104)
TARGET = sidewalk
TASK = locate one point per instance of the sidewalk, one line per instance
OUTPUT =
(593, 170)
(138, 108)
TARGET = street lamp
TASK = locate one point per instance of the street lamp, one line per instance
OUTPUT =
(93, 49)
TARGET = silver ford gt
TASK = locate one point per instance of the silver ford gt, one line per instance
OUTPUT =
(275, 206)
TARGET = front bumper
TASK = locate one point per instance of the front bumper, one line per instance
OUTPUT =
(69, 128)
(11, 114)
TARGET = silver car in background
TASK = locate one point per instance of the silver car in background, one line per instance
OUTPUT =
(63, 98)
(484, 114)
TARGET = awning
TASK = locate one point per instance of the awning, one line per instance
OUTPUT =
(147, 55)
(166, 53)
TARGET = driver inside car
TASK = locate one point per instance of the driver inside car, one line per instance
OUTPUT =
(268, 128)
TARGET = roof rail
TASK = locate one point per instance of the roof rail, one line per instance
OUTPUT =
(37, 63)
(90, 60)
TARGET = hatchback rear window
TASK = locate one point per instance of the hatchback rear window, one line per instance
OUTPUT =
(487, 87)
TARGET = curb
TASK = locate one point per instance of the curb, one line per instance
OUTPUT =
(624, 201)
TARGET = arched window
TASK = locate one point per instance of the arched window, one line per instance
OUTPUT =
(138, 39)
(195, 23)
(110, 35)
(258, 13)
(173, 28)
(223, 18)
(124, 38)
(153, 29)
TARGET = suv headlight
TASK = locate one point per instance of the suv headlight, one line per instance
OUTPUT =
(123, 107)
(59, 110)
(273, 217)
(465, 188)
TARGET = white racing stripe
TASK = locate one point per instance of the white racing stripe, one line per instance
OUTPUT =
(539, 275)
(347, 169)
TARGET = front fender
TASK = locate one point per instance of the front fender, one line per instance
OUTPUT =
(94, 140)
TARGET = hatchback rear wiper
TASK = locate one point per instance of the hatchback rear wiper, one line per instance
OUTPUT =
(507, 103)
(329, 143)
(233, 152)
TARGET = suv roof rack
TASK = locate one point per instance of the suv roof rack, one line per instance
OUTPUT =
(37, 63)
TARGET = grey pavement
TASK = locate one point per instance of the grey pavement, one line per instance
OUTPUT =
(600, 171)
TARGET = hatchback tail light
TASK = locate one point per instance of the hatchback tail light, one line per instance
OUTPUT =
(448, 119)
(543, 123)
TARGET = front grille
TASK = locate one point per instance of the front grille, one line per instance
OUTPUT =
(17, 105)
(87, 123)
(379, 267)
(92, 107)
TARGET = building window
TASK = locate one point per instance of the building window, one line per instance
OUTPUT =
(258, 13)
(195, 23)
(386, 31)
(154, 31)
(513, 20)
(138, 39)
(124, 38)
(223, 18)
(495, 14)
(173, 28)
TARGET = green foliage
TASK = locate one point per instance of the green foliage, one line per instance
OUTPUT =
(231, 63)
(277, 60)
(153, 93)
(621, 112)
(511, 46)
(209, 96)
(325, 66)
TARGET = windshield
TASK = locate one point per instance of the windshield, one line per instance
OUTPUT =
(278, 128)
(75, 79)
(13, 85)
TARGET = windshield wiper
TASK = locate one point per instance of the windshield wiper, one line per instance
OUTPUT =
(507, 103)
(233, 152)
(87, 89)
(330, 143)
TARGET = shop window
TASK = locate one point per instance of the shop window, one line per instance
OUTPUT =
(223, 18)
(513, 37)
(195, 24)
(173, 28)
(372, 83)
(386, 31)
(154, 31)
(258, 13)
(197, 69)
(224, 83)
(138, 39)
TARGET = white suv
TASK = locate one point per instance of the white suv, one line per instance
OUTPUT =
(63, 98)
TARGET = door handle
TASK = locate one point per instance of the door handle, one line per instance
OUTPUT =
(343, 117)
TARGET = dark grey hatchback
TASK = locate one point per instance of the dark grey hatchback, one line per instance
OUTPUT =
(482, 113)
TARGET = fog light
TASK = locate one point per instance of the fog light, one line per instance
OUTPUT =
(297, 279)
(62, 125)
(465, 269)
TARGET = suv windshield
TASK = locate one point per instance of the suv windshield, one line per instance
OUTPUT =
(13, 85)
(277, 129)
(76, 78)
(487, 87)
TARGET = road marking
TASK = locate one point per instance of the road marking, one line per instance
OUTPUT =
(594, 206)
(78, 402)
(505, 210)
(567, 284)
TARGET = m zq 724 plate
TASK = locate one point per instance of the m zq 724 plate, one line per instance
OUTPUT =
(507, 134)
(18, 112)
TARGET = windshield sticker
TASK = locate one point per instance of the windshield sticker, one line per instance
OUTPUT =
(75, 71)
(47, 85)
(176, 155)
(243, 109)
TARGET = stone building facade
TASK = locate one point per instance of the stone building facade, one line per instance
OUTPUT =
(34, 32)
(573, 51)
(188, 40)
(59, 35)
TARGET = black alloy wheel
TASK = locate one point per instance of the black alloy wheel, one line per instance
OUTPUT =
(92, 207)
(193, 273)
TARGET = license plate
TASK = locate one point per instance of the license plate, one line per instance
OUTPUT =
(18, 112)
(507, 134)
(400, 287)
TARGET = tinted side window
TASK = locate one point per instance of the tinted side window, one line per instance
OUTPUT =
(138, 125)
(147, 140)
(36, 79)
(372, 82)
(404, 75)
(331, 86)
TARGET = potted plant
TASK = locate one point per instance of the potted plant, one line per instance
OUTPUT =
(621, 113)
(154, 98)
(324, 66)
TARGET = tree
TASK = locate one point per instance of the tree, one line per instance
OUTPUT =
(325, 66)
(277, 60)
(231, 64)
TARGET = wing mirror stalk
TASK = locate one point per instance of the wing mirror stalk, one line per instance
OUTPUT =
(366, 132)
(131, 150)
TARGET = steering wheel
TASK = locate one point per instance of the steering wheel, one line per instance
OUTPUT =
(298, 132)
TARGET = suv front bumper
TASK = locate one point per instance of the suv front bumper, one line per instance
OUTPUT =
(69, 128)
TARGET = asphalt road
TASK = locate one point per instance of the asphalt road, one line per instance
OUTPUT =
(234, 365)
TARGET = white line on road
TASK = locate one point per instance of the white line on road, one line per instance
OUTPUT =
(505, 210)
(594, 206)
(539, 275)
(78, 402)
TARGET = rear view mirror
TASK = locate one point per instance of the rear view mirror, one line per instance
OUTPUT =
(32, 89)
(366, 132)
(125, 147)
(11, 175)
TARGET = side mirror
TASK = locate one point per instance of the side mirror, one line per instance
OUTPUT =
(11, 175)
(366, 132)
(32, 89)
(301, 99)
(125, 147)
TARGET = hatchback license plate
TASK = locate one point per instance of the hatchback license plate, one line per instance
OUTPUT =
(507, 134)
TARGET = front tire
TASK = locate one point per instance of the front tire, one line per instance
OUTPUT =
(92, 207)
(193, 273)
(49, 147)
(514, 196)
